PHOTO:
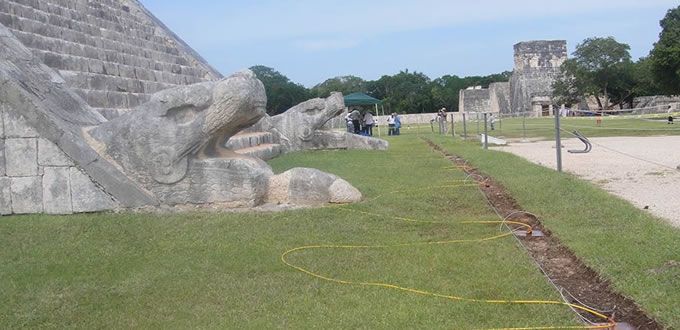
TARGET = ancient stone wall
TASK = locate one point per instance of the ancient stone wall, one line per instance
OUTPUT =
(499, 97)
(655, 101)
(36, 176)
(113, 53)
(474, 100)
(537, 65)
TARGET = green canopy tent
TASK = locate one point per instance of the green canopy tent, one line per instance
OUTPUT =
(363, 99)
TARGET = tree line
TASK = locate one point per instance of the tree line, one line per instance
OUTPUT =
(404, 92)
(600, 68)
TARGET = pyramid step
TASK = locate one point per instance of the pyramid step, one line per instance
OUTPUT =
(263, 151)
(244, 140)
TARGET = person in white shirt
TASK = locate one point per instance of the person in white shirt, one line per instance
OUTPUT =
(390, 124)
(368, 123)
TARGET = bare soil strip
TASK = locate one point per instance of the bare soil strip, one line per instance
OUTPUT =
(559, 263)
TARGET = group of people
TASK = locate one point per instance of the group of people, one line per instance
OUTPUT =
(363, 124)
(359, 123)
(393, 124)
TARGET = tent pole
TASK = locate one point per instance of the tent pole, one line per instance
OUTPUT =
(376, 118)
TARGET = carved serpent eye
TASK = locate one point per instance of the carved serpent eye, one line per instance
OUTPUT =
(183, 115)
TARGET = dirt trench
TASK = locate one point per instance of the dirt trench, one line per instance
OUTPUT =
(583, 285)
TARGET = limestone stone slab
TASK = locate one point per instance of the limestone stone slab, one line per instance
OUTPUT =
(2, 157)
(49, 154)
(16, 125)
(21, 157)
(57, 190)
(27, 194)
(86, 196)
(2, 125)
(5, 196)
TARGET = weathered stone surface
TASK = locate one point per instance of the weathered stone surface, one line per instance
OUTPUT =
(49, 154)
(17, 126)
(157, 141)
(342, 192)
(300, 128)
(474, 100)
(87, 196)
(2, 125)
(21, 157)
(27, 195)
(101, 53)
(2, 157)
(5, 196)
(235, 181)
(57, 190)
(537, 66)
(344, 140)
(169, 149)
(37, 93)
(308, 186)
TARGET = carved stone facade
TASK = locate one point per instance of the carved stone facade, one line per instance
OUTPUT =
(537, 66)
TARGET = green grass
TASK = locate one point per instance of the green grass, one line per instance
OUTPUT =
(624, 244)
(210, 270)
(545, 127)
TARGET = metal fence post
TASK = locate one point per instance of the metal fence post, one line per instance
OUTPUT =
(464, 127)
(558, 141)
(453, 127)
(486, 135)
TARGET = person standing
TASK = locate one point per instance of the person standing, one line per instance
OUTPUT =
(390, 124)
(397, 124)
(442, 120)
(492, 121)
(348, 122)
(368, 123)
(356, 116)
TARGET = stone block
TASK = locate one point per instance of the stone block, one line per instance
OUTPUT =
(21, 157)
(16, 125)
(2, 125)
(49, 154)
(2, 157)
(27, 194)
(57, 190)
(5, 196)
(86, 196)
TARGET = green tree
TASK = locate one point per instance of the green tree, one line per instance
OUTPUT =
(665, 56)
(405, 92)
(344, 84)
(601, 67)
(282, 94)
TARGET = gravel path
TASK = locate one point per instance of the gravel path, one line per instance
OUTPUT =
(641, 170)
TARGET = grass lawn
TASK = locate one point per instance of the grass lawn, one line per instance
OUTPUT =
(544, 128)
(633, 249)
(211, 270)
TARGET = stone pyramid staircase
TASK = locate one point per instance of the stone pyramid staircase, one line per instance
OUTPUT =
(255, 144)
(113, 53)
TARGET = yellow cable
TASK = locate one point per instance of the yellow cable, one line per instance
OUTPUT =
(609, 322)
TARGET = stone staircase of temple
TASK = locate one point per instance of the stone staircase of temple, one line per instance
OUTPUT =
(254, 144)
(112, 53)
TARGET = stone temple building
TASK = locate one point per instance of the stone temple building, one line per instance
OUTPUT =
(537, 66)
(103, 107)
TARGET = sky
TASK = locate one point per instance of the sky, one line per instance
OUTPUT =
(310, 41)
